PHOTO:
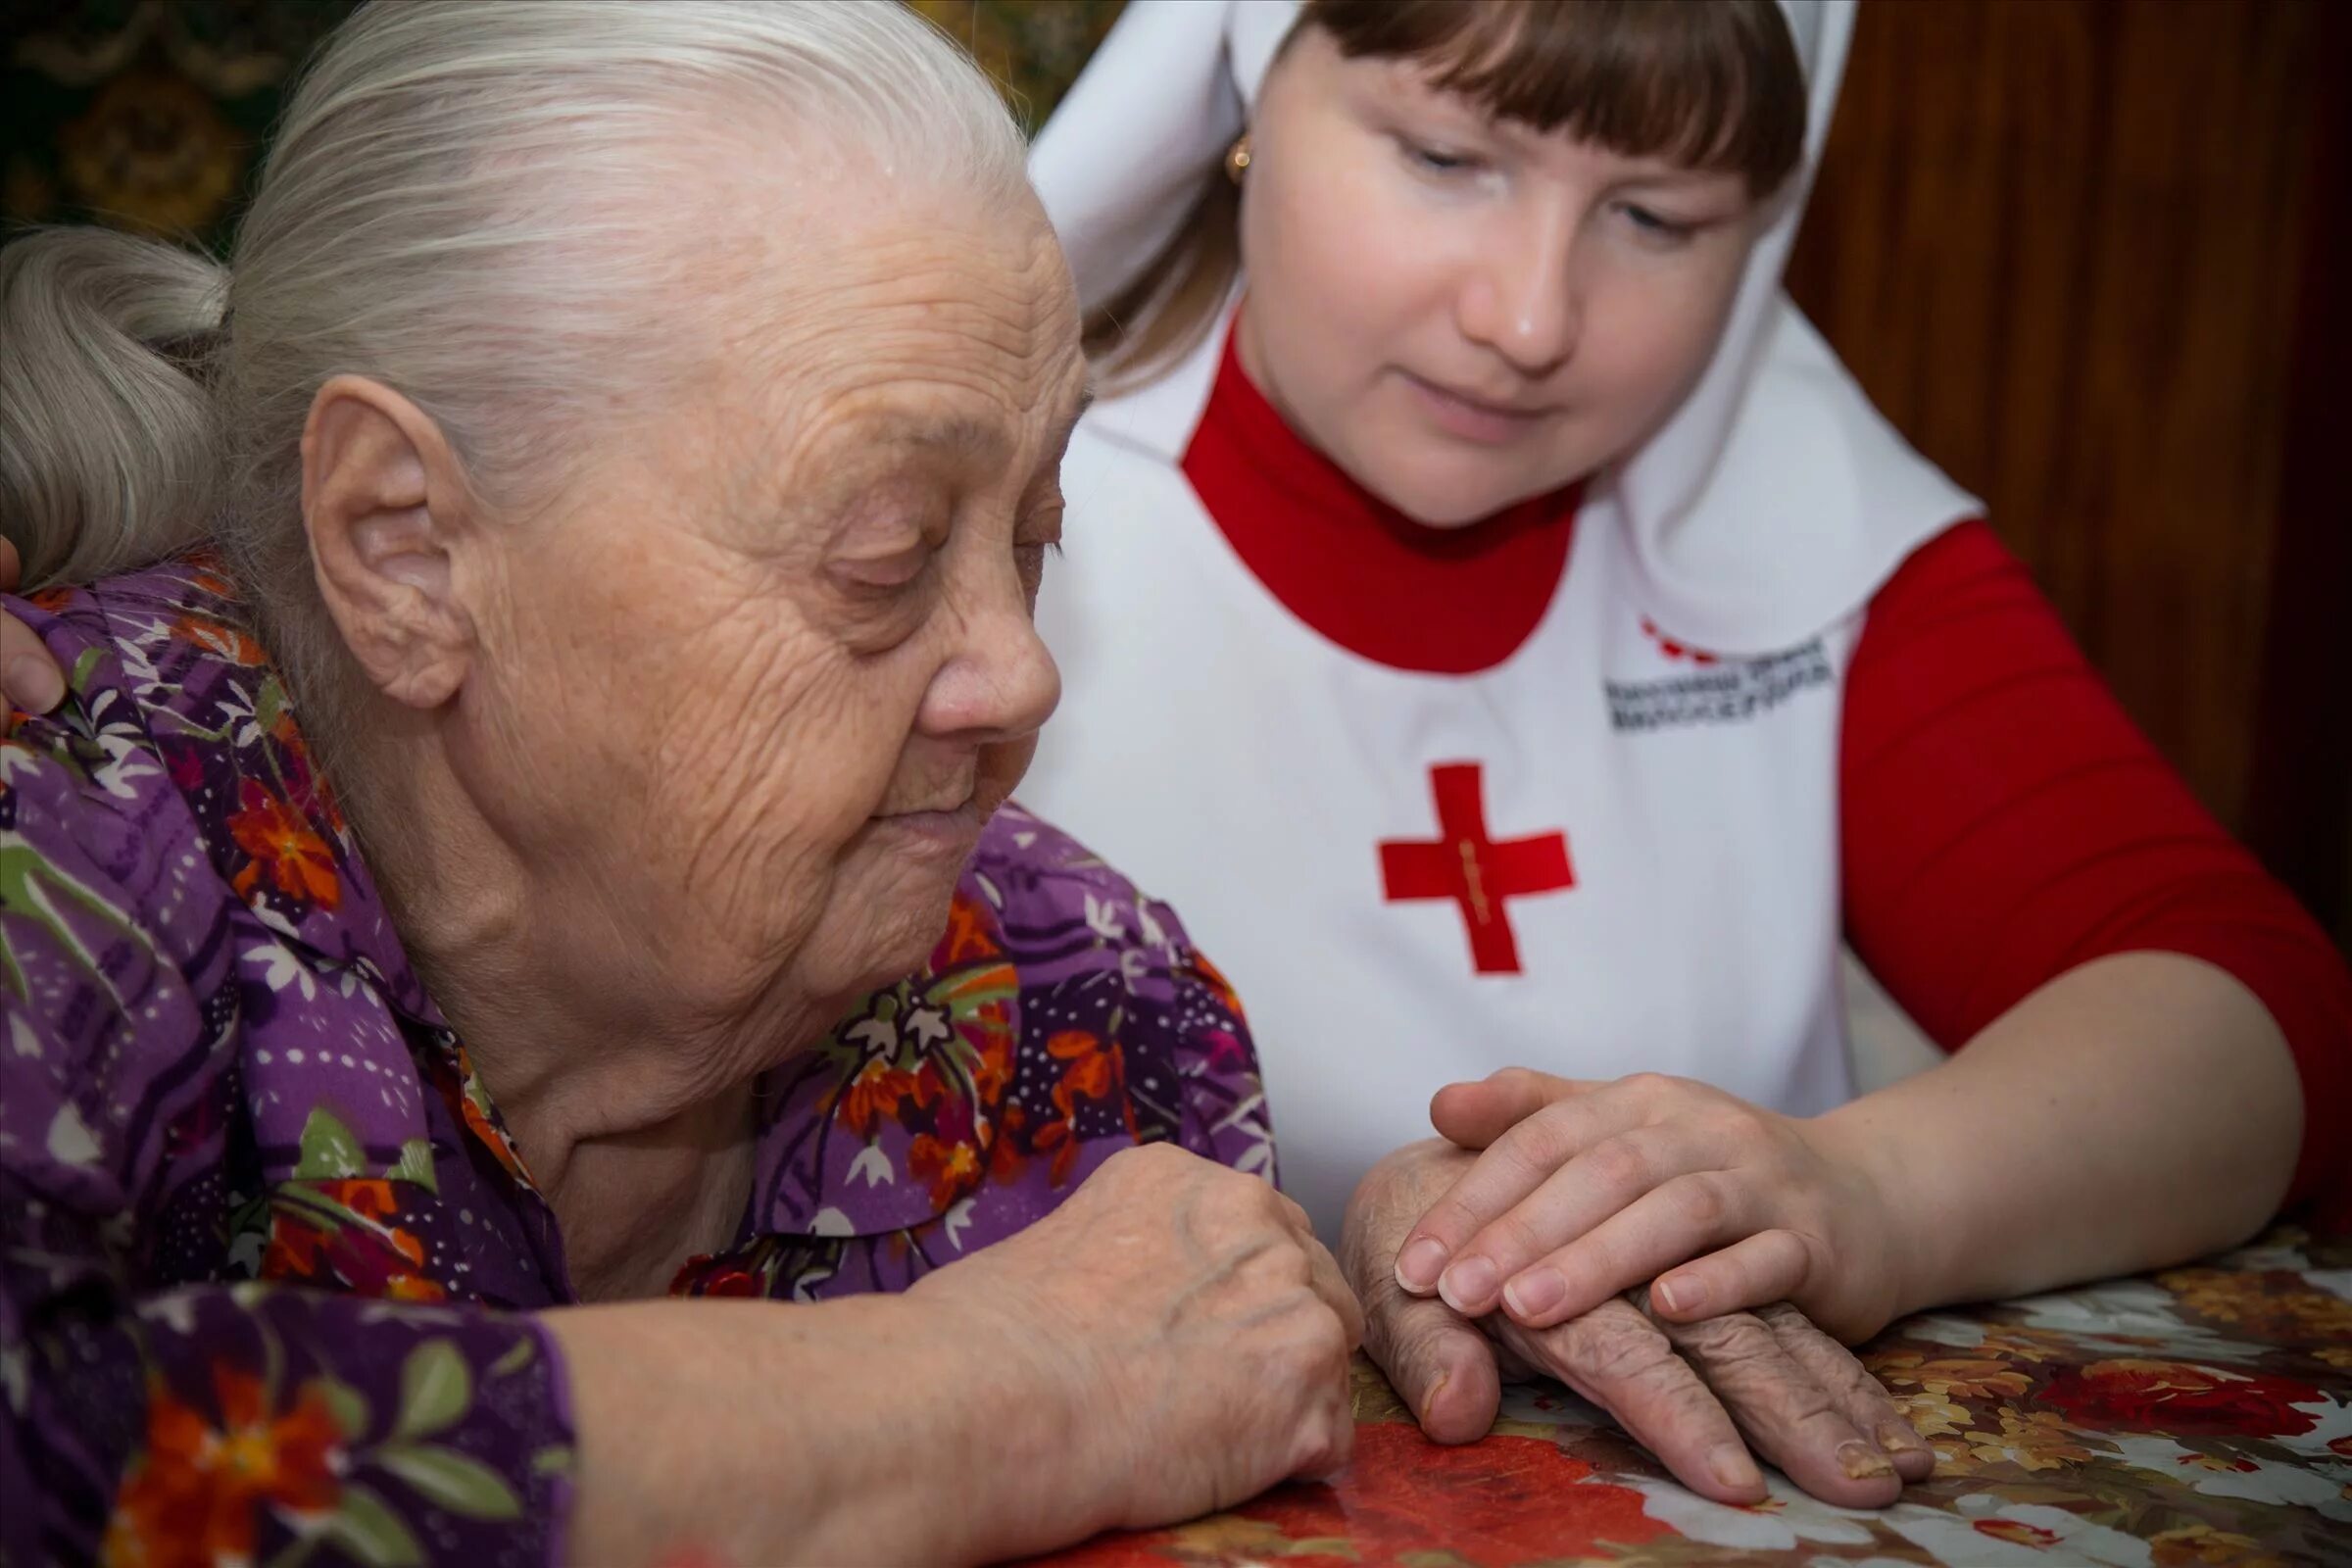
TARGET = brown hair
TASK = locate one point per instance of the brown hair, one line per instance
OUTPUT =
(1712, 83)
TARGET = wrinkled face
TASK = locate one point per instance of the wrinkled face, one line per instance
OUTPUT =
(1459, 311)
(767, 670)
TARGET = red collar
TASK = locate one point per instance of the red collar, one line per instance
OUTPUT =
(1444, 601)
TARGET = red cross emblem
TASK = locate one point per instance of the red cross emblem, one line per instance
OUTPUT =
(1476, 872)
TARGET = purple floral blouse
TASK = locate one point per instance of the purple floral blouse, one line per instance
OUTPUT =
(268, 1253)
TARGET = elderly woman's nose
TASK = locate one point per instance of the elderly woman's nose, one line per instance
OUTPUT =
(1520, 296)
(1001, 684)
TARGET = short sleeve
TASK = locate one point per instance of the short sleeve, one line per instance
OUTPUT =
(2004, 821)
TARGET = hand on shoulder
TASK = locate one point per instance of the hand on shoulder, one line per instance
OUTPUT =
(29, 679)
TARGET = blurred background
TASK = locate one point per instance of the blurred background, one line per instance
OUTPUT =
(2091, 256)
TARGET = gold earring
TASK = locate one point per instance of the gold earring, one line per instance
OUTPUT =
(1237, 159)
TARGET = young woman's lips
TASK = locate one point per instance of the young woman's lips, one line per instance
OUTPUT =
(1471, 418)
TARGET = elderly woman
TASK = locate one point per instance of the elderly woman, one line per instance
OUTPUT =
(498, 994)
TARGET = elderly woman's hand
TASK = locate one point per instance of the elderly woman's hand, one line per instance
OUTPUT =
(1196, 1333)
(1688, 1392)
(1585, 1190)
(30, 679)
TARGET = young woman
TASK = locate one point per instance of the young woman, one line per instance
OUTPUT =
(1497, 618)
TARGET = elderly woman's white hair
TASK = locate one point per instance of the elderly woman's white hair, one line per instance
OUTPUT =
(476, 204)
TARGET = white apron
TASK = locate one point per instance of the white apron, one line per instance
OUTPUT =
(1633, 865)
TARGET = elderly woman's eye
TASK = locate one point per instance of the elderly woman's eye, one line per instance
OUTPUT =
(1030, 560)
(896, 569)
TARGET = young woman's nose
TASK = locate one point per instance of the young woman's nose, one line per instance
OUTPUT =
(1520, 297)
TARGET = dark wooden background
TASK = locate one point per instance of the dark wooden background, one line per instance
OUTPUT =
(2089, 256)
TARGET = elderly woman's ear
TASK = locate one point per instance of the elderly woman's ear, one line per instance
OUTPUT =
(388, 511)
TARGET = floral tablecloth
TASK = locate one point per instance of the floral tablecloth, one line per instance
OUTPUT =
(2198, 1417)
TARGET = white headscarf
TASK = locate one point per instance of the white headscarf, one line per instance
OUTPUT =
(1772, 504)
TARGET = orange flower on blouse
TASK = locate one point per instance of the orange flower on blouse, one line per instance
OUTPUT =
(1092, 1071)
(282, 843)
(950, 1167)
(219, 637)
(194, 1499)
(343, 1232)
(874, 1094)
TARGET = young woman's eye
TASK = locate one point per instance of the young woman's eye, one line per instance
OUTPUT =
(1435, 160)
(1656, 225)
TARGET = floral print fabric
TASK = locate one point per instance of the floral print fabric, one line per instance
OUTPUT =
(267, 1253)
(2196, 1419)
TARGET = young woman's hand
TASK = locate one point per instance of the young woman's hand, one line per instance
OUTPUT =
(1688, 1392)
(1586, 1189)
(30, 679)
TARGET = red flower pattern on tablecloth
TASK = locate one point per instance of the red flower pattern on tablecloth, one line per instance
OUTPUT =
(1496, 1504)
(2182, 1400)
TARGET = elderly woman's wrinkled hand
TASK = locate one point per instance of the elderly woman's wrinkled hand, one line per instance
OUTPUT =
(1196, 1331)
(1584, 1190)
(1687, 1391)
(30, 679)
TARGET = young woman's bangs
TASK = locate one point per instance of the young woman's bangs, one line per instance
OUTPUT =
(1713, 86)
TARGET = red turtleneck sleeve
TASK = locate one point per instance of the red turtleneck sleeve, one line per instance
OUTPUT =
(2004, 821)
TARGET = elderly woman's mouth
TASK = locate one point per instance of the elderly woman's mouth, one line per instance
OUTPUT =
(957, 825)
